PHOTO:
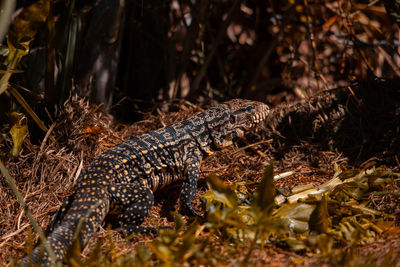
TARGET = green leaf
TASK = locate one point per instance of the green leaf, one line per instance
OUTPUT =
(30, 111)
(325, 244)
(355, 232)
(160, 250)
(265, 195)
(18, 133)
(220, 192)
(300, 188)
(349, 174)
(295, 244)
(319, 219)
(94, 254)
(350, 190)
(142, 256)
(25, 26)
(316, 192)
(296, 215)
(27, 23)
(187, 248)
(179, 223)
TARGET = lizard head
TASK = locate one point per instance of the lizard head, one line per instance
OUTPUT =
(233, 118)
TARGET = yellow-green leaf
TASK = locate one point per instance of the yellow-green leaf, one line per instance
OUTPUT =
(18, 133)
(179, 223)
(27, 23)
(296, 215)
(220, 192)
(265, 195)
(32, 113)
(325, 244)
(319, 219)
(25, 26)
(303, 187)
(295, 244)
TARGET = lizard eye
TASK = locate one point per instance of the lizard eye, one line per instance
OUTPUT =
(232, 119)
(250, 108)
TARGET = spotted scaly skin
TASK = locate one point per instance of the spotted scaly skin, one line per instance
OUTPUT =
(127, 175)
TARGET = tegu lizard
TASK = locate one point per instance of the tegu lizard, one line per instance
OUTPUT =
(127, 174)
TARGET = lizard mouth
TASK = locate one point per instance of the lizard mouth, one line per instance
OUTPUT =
(259, 117)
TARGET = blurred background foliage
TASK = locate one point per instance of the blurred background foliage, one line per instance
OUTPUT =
(129, 54)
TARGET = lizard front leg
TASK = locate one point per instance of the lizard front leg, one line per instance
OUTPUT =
(189, 189)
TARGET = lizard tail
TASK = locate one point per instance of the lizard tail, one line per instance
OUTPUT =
(83, 216)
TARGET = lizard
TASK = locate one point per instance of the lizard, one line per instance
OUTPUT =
(127, 175)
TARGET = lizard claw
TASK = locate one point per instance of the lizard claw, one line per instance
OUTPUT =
(189, 211)
(138, 229)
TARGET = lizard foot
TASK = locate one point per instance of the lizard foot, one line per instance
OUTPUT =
(138, 229)
(190, 212)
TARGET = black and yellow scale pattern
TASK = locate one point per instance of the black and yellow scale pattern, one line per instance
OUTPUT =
(127, 175)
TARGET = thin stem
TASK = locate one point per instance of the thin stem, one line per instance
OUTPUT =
(21, 201)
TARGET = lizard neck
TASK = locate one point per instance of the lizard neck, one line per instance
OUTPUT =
(209, 131)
